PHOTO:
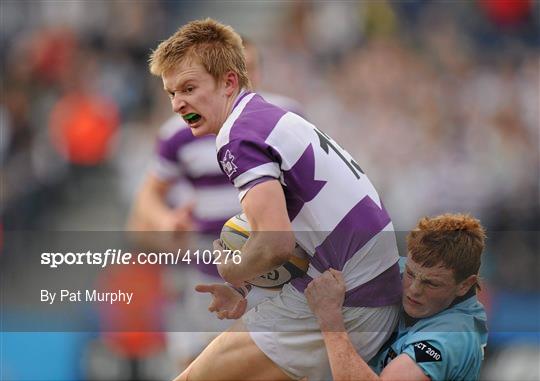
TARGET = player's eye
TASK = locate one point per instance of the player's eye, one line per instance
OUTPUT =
(171, 95)
(189, 89)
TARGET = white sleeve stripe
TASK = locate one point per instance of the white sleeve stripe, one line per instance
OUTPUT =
(269, 169)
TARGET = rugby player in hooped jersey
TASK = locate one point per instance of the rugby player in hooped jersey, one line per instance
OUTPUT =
(208, 201)
(291, 178)
(442, 331)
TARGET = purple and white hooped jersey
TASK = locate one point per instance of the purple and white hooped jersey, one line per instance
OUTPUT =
(336, 213)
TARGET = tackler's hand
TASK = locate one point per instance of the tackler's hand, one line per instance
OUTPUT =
(325, 296)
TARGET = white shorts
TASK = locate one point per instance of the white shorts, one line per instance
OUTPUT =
(286, 330)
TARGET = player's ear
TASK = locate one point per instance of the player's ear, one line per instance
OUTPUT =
(231, 82)
(465, 285)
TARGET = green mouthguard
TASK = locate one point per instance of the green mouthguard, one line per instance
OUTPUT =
(190, 116)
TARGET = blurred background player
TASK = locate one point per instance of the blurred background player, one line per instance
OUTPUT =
(442, 331)
(186, 192)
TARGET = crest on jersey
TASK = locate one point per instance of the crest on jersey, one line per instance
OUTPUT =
(228, 163)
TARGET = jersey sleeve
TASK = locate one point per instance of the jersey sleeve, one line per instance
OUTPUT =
(446, 352)
(432, 355)
(248, 162)
(450, 346)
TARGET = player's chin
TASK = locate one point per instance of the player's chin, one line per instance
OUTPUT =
(196, 132)
(409, 311)
(199, 130)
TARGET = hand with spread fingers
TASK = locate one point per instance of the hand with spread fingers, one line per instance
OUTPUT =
(227, 303)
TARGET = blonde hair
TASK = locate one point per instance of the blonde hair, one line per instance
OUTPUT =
(217, 47)
(454, 240)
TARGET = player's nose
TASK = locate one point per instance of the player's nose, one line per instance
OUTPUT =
(178, 104)
(415, 288)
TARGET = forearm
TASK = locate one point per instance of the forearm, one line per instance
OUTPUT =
(271, 242)
(345, 362)
(149, 207)
(263, 252)
(152, 209)
(147, 218)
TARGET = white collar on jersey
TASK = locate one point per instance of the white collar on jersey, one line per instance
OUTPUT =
(240, 102)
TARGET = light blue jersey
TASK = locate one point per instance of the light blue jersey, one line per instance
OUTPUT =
(447, 346)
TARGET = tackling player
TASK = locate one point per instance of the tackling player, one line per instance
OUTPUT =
(442, 331)
(291, 177)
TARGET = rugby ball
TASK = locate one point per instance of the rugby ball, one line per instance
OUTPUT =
(234, 235)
